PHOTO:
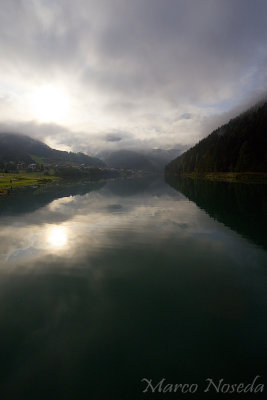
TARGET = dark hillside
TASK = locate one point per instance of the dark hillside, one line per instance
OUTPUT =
(239, 146)
(16, 147)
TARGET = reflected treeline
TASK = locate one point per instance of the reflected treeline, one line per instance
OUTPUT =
(242, 207)
(28, 199)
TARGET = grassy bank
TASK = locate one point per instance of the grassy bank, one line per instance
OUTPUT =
(244, 177)
(8, 181)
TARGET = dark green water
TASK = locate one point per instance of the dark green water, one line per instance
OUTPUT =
(105, 284)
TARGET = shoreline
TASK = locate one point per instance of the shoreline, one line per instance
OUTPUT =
(233, 177)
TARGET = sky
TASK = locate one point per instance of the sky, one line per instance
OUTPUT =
(93, 75)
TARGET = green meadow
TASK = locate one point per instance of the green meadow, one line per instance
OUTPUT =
(10, 181)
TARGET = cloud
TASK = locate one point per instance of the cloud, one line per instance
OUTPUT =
(132, 66)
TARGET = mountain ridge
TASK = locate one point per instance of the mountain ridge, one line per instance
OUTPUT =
(151, 160)
(18, 147)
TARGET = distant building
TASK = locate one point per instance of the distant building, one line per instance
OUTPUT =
(32, 166)
(21, 165)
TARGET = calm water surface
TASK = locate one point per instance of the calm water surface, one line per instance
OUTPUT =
(105, 284)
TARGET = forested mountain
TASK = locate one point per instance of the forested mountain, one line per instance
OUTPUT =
(150, 160)
(127, 159)
(238, 146)
(16, 147)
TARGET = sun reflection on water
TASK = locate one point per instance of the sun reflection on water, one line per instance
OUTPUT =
(57, 236)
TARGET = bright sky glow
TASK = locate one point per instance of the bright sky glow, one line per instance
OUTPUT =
(49, 104)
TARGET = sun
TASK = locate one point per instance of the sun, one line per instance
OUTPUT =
(49, 104)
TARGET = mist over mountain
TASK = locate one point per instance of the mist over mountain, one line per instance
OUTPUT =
(238, 146)
(17, 147)
(147, 160)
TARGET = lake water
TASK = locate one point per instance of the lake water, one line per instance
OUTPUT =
(108, 283)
